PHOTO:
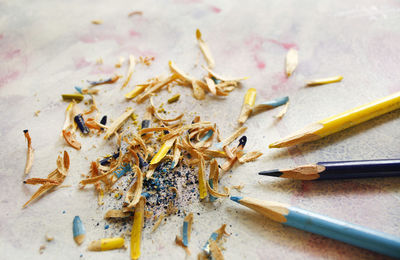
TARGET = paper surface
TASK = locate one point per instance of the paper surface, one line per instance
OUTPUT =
(49, 47)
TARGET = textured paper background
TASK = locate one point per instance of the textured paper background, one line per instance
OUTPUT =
(47, 47)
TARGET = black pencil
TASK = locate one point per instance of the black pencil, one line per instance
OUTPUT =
(340, 170)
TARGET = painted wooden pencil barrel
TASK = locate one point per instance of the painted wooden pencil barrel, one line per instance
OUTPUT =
(346, 232)
(360, 169)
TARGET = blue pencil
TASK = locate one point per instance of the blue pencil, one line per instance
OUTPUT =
(349, 233)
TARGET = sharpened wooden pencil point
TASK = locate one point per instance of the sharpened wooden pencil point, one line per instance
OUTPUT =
(341, 121)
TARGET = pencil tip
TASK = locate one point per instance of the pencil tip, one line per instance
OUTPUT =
(273, 173)
(236, 199)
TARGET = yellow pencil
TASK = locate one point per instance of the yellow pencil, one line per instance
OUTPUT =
(105, 244)
(341, 121)
(136, 233)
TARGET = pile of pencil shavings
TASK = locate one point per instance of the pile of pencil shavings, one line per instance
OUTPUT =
(160, 168)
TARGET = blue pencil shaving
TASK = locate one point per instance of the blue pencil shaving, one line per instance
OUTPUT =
(78, 230)
(206, 247)
(122, 170)
(187, 229)
(215, 236)
(105, 81)
(242, 141)
(207, 136)
(271, 104)
(216, 81)
(145, 194)
(81, 124)
(107, 160)
(79, 89)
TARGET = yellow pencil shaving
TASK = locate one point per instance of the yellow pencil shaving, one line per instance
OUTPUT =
(174, 98)
(323, 81)
(202, 178)
(134, 93)
(163, 151)
(130, 70)
(341, 121)
(118, 123)
(29, 153)
(106, 244)
(137, 226)
(97, 22)
(76, 97)
(292, 60)
(248, 104)
(205, 50)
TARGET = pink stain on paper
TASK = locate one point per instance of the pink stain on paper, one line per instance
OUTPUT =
(215, 9)
(81, 63)
(285, 45)
(134, 33)
(7, 77)
(256, 45)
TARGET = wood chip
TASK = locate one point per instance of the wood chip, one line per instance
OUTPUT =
(205, 50)
(292, 60)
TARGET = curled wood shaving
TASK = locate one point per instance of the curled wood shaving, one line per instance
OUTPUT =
(215, 251)
(214, 176)
(130, 70)
(116, 213)
(292, 60)
(134, 193)
(197, 85)
(205, 50)
(118, 123)
(56, 175)
(154, 111)
(69, 137)
(35, 181)
(29, 153)
(179, 242)
(158, 222)
(283, 111)
(250, 156)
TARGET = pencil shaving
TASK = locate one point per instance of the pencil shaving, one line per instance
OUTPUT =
(291, 61)
(283, 111)
(57, 175)
(130, 71)
(29, 153)
(118, 123)
(324, 81)
(205, 50)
